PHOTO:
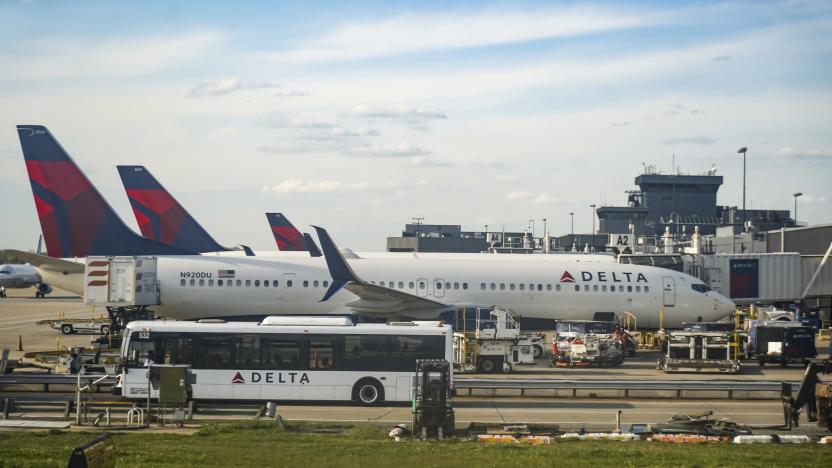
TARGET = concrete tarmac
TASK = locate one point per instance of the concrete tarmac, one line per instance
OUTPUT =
(20, 312)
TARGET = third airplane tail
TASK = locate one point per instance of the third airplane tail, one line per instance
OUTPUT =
(75, 219)
(160, 216)
(288, 238)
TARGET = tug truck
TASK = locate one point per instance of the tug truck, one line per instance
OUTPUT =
(492, 343)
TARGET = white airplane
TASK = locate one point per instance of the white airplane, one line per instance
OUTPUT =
(22, 277)
(78, 222)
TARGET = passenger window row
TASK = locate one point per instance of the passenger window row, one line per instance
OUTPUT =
(249, 283)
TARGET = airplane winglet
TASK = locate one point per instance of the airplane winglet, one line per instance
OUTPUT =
(313, 249)
(247, 250)
(338, 267)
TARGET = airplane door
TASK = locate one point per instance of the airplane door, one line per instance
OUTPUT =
(422, 287)
(289, 287)
(438, 287)
(669, 287)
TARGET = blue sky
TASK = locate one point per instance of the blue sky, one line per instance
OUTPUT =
(360, 115)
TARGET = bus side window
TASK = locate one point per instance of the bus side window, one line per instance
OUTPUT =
(215, 351)
(282, 353)
(321, 353)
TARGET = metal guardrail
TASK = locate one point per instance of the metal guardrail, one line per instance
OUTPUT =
(679, 386)
(55, 379)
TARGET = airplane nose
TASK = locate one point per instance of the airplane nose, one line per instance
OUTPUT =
(723, 306)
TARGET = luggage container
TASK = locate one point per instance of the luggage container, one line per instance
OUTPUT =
(700, 351)
(783, 342)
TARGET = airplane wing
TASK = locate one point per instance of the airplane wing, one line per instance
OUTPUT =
(48, 263)
(373, 299)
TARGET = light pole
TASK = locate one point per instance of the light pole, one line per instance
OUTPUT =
(572, 231)
(593, 226)
(795, 195)
(742, 151)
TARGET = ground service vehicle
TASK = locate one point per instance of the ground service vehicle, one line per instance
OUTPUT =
(591, 350)
(490, 343)
(285, 357)
(432, 408)
(698, 350)
(782, 342)
(813, 394)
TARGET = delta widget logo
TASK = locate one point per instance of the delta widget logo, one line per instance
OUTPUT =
(566, 278)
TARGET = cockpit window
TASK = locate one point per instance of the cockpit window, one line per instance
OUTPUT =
(700, 288)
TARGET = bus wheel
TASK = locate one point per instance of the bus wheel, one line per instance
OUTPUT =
(487, 365)
(368, 392)
(66, 329)
(538, 351)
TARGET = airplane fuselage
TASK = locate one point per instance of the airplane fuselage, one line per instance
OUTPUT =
(198, 287)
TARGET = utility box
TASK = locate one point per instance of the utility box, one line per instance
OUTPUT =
(120, 281)
(171, 383)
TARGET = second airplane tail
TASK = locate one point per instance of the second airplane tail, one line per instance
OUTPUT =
(160, 216)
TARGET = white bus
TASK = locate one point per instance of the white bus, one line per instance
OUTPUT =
(285, 357)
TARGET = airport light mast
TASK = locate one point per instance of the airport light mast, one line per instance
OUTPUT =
(795, 195)
(593, 226)
(742, 151)
(572, 231)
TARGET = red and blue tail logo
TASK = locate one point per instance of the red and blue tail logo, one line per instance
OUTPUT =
(75, 219)
(288, 238)
(160, 216)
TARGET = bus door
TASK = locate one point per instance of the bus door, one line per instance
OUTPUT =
(669, 287)
(422, 287)
(289, 287)
(438, 287)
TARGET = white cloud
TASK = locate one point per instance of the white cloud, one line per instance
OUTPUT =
(539, 199)
(426, 161)
(291, 93)
(519, 195)
(408, 34)
(544, 199)
(228, 86)
(62, 58)
(491, 162)
(392, 149)
(399, 112)
(811, 154)
(696, 140)
(321, 186)
(507, 178)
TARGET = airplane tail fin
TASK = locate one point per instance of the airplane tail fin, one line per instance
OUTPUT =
(288, 238)
(75, 219)
(313, 249)
(160, 216)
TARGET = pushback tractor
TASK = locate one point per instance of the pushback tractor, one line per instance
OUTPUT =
(490, 343)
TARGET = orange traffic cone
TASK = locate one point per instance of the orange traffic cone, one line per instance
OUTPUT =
(20, 342)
